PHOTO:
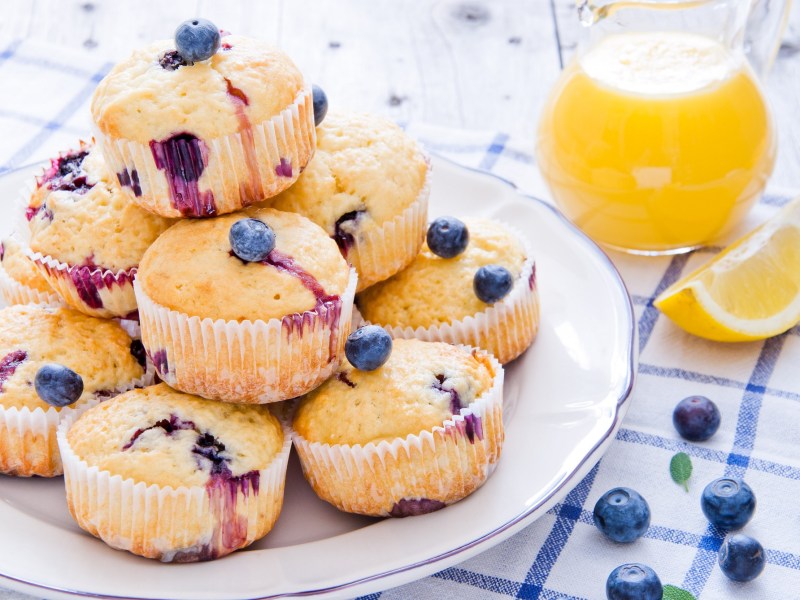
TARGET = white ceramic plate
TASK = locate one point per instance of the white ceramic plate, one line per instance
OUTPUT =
(564, 399)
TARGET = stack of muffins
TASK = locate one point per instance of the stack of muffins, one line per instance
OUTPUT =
(225, 219)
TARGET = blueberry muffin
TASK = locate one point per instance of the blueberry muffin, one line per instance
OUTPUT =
(207, 137)
(419, 432)
(54, 363)
(440, 297)
(367, 187)
(20, 280)
(175, 477)
(85, 236)
(243, 328)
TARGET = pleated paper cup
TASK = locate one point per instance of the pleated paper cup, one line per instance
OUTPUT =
(505, 329)
(28, 444)
(94, 291)
(240, 169)
(15, 292)
(380, 253)
(416, 474)
(184, 524)
(247, 362)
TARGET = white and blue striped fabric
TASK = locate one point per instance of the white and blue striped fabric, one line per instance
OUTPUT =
(44, 95)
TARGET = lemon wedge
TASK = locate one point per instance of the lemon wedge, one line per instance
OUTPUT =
(751, 291)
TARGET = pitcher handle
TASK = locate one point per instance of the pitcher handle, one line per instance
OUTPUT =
(765, 28)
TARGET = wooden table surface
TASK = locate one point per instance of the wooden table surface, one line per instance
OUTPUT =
(459, 63)
(466, 64)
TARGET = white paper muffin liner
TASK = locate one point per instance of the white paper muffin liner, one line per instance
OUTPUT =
(14, 292)
(247, 362)
(379, 253)
(28, 444)
(184, 524)
(242, 168)
(94, 291)
(416, 474)
(506, 328)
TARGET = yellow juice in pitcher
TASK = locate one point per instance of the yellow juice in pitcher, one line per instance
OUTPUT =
(656, 141)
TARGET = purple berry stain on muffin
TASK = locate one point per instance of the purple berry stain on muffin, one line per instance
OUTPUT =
(532, 278)
(66, 173)
(284, 262)
(328, 306)
(32, 212)
(2, 251)
(171, 60)
(473, 427)
(284, 169)
(9, 364)
(183, 158)
(89, 278)
(223, 489)
(241, 102)
(170, 426)
(236, 94)
(455, 399)
(412, 507)
(86, 286)
(130, 180)
(343, 230)
(159, 359)
(342, 376)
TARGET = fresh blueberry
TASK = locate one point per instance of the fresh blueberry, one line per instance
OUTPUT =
(633, 581)
(57, 385)
(368, 348)
(492, 283)
(196, 39)
(741, 557)
(447, 237)
(728, 503)
(320, 104)
(251, 240)
(696, 418)
(622, 514)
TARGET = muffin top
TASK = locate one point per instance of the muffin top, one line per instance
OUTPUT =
(96, 349)
(434, 290)
(365, 171)
(20, 268)
(191, 268)
(153, 94)
(78, 215)
(161, 436)
(421, 386)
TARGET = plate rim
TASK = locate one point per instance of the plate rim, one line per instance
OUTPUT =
(623, 392)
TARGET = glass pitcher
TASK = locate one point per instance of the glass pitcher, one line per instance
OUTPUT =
(657, 138)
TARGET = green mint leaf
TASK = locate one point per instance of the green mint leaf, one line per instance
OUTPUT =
(680, 468)
(675, 593)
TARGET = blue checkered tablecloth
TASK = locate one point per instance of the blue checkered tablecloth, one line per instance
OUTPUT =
(44, 95)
